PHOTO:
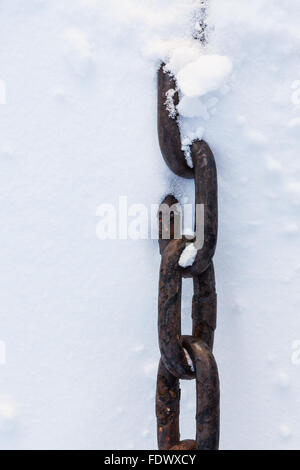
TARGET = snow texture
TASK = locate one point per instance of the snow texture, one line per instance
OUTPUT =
(78, 51)
(188, 256)
(200, 77)
(208, 73)
(78, 129)
(170, 105)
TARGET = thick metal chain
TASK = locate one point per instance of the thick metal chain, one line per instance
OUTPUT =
(173, 346)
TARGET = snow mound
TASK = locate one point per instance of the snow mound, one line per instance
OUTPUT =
(188, 256)
(201, 80)
(208, 73)
(182, 56)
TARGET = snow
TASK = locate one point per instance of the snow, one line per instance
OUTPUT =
(170, 105)
(283, 379)
(198, 76)
(190, 108)
(182, 56)
(189, 360)
(78, 51)
(2, 92)
(78, 129)
(188, 256)
(294, 123)
(285, 431)
(208, 73)
(8, 414)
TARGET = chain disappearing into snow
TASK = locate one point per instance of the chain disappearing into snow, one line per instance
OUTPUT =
(200, 21)
(177, 351)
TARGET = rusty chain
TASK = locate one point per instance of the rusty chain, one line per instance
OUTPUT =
(174, 347)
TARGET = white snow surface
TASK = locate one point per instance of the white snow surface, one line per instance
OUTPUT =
(201, 79)
(188, 256)
(205, 75)
(79, 315)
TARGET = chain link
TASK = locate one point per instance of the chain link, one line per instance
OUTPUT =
(174, 347)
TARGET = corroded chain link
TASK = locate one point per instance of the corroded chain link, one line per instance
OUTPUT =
(174, 364)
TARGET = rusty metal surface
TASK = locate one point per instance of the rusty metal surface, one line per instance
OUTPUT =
(207, 392)
(206, 193)
(168, 131)
(174, 347)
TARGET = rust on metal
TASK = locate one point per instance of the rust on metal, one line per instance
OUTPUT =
(206, 194)
(169, 312)
(208, 395)
(174, 365)
(168, 130)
